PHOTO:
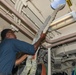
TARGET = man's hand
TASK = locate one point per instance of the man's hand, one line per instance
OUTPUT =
(42, 36)
(38, 43)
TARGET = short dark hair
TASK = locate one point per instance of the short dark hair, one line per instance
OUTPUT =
(3, 33)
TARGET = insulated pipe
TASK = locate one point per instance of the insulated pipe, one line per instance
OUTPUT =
(62, 42)
(61, 38)
(63, 24)
(63, 21)
(63, 18)
(30, 25)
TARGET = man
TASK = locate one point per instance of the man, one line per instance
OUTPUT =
(10, 46)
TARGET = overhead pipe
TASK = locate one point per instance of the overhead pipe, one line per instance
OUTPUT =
(63, 18)
(61, 38)
(17, 7)
(62, 24)
(61, 42)
(22, 29)
(63, 21)
(30, 25)
(25, 4)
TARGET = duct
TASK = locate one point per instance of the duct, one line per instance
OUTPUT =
(30, 25)
(22, 29)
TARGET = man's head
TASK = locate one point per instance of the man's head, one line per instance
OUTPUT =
(7, 33)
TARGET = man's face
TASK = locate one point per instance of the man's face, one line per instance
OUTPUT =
(10, 34)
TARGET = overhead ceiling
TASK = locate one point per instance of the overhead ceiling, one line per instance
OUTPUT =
(26, 15)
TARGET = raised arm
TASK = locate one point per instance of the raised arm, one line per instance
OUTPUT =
(38, 43)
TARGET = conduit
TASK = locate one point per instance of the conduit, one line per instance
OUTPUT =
(30, 25)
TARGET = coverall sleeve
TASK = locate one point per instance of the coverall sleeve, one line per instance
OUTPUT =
(23, 46)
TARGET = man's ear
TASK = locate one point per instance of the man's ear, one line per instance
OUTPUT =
(7, 35)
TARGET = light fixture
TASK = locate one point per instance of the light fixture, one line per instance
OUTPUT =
(56, 3)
